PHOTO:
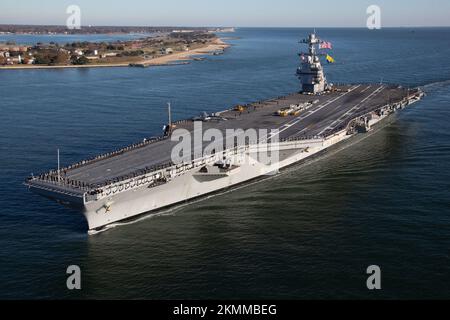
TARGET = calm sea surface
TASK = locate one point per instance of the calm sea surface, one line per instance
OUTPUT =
(308, 233)
(31, 39)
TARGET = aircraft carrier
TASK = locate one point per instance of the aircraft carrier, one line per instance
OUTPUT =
(144, 177)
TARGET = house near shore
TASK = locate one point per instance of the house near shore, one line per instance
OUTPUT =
(14, 60)
(137, 45)
(183, 31)
(14, 48)
(166, 50)
(108, 54)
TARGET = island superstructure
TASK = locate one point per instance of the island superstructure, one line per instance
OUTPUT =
(310, 71)
(142, 178)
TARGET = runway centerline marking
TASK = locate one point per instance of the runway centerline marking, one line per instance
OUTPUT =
(375, 92)
(302, 117)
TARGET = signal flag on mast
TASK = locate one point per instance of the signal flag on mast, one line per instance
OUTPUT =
(330, 59)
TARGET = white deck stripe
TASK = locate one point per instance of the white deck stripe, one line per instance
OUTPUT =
(352, 110)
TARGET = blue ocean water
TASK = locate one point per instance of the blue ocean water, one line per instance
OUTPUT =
(31, 39)
(309, 233)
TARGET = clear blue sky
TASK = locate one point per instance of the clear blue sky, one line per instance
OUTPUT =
(241, 13)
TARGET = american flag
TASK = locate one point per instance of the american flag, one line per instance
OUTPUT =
(325, 45)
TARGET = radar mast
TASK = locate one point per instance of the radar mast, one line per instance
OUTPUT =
(310, 71)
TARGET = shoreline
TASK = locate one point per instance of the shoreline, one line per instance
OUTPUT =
(214, 46)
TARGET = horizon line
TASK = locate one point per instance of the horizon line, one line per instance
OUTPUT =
(241, 27)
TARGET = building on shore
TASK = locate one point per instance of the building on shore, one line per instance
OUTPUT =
(108, 54)
(92, 57)
(14, 48)
(78, 52)
(166, 50)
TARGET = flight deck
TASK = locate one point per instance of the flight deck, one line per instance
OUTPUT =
(329, 113)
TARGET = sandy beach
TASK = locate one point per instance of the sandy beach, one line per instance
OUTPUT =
(216, 46)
